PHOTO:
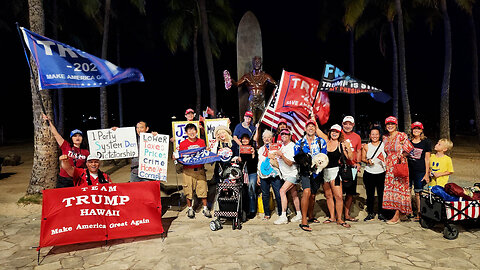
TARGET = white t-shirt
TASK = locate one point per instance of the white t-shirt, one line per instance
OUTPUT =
(378, 165)
(287, 171)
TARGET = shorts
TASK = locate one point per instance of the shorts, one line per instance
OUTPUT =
(329, 174)
(292, 179)
(416, 181)
(195, 180)
(310, 182)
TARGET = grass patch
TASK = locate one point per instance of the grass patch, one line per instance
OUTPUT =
(30, 199)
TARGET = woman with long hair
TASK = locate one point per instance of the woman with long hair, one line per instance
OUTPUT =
(75, 149)
(396, 195)
(419, 162)
(332, 186)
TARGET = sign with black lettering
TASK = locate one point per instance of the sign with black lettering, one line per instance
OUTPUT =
(153, 156)
(113, 144)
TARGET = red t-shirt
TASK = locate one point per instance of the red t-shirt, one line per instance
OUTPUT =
(356, 143)
(80, 178)
(77, 157)
(187, 144)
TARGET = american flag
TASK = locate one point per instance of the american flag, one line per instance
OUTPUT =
(296, 121)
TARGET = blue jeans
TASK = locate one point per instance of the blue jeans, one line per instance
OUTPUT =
(276, 184)
(252, 195)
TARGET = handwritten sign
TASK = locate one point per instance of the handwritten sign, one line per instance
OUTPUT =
(153, 156)
(178, 132)
(210, 126)
(109, 144)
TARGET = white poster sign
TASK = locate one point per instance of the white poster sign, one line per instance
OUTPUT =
(153, 156)
(109, 144)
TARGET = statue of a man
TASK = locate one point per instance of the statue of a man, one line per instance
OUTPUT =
(256, 82)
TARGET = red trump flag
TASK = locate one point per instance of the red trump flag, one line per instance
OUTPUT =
(296, 93)
(100, 212)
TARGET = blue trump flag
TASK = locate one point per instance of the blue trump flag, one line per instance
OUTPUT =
(63, 66)
(197, 156)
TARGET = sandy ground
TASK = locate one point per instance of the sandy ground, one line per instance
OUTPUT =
(14, 180)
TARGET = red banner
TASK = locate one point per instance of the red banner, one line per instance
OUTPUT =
(296, 93)
(99, 213)
(322, 107)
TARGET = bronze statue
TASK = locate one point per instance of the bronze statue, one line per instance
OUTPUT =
(256, 82)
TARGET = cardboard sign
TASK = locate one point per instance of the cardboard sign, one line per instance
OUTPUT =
(108, 144)
(179, 134)
(246, 149)
(153, 156)
(100, 212)
(210, 126)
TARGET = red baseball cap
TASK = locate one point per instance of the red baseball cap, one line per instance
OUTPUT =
(249, 114)
(391, 119)
(310, 121)
(189, 110)
(417, 125)
(283, 120)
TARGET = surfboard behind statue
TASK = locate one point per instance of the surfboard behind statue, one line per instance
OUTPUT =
(249, 44)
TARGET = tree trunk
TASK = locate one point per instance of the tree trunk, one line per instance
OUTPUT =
(196, 72)
(351, 52)
(394, 69)
(445, 94)
(45, 161)
(119, 86)
(407, 119)
(208, 54)
(103, 90)
(475, 89)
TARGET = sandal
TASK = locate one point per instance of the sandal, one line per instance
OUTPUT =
(344, 224)
(305, 227)
(328, 221)
(351, 219)
(313, 220)
(266, 217)
(416, 219)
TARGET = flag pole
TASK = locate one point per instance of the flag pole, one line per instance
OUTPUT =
(31, 72)
(321, 81)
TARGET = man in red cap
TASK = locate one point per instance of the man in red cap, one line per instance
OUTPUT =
(245, 127)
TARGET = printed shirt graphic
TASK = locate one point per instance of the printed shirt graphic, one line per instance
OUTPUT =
(77, 157)
(416, 153)
(356, 143)
(441, 164)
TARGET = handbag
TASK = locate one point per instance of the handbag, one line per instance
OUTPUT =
(400, 169)
(345, 171)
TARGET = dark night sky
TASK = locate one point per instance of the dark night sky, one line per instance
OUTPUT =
(290, 42)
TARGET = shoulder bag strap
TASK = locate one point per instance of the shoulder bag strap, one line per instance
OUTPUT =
(374, 153)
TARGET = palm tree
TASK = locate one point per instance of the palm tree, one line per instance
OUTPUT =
(447, 70)
(45, 162)
(180, 29)
(103, 89)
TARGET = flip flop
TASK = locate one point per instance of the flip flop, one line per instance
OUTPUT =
(416, 219)
(344, 224)
(328, 221)
(313, 220)
(305, 227)
(352, 219)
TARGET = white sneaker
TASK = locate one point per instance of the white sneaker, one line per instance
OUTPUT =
(296, 218)
(281, 220)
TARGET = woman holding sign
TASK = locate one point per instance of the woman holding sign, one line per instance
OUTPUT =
(75, 149)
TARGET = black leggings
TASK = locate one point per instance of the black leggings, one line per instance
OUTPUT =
(372, 182)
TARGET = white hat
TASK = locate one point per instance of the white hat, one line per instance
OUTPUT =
(348, 118)
(92, 157)
(336, 127)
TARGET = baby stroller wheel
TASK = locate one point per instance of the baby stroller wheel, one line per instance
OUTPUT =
(218, 224)
(213, 226)
(450, 232)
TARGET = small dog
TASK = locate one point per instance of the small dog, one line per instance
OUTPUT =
(319, 162)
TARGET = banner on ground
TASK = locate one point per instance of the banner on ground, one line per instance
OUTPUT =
(63, 66)
(197, 156)
(210, 126)
(101, 212)
(179, 134)
(113, 144)
(335, 80)
(153, 156)
(296, 93)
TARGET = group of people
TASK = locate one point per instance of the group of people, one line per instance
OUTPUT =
(278, 163)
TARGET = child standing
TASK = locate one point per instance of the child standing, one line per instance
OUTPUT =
(440, 164)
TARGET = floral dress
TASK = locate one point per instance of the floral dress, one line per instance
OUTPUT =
(396, 195)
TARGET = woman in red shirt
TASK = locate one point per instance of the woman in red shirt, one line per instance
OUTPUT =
(76, 151)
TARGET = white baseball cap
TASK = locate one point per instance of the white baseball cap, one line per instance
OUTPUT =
(336, 127)
(92, 157)
(348, 118)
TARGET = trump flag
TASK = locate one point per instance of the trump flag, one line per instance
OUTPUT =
(296, 93)
(63, 66)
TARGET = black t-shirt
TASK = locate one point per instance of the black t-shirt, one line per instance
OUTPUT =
(251, 162)
(416, 159)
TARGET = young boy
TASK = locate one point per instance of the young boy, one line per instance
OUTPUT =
(440, 164)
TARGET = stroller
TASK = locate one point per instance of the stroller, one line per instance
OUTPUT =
(229, 197)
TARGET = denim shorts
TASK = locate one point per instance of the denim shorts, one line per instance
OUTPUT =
(416, 181)
(312, 183)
